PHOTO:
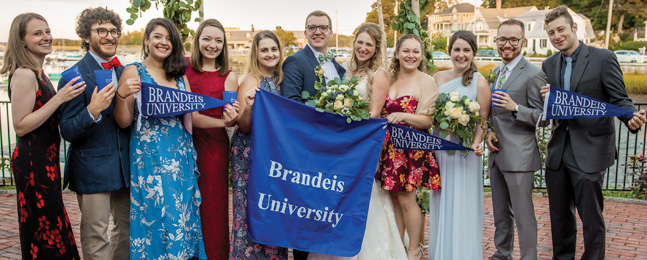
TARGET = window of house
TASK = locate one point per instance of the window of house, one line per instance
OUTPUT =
(543, 43)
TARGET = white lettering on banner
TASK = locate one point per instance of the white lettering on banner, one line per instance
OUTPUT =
(164, 101)
(277, 171)
(414, 140)
(265, 202)
(571, 105)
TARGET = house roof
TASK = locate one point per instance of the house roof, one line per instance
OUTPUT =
(493, 17)
(460, 8)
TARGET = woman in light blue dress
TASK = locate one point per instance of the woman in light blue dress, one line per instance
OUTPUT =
(456, 211)
(165, 199)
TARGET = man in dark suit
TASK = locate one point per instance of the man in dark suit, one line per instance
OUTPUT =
(580, 150)
(514, 121)
(98, 167)
(298, 69)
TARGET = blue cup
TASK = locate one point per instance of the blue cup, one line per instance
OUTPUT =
(495, 90)
(229, 97)
(103, 77)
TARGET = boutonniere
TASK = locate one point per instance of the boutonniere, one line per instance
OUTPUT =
(491, 78)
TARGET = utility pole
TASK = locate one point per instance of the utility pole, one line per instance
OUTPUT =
(606, 38)
(337, 30)
(395, 32)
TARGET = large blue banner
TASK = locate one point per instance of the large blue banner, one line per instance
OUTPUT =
(562, 104)
(159, 101)
(310, 177)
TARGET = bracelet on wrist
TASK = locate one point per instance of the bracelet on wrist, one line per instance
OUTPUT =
(120, 95)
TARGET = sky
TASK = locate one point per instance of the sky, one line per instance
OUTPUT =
(263, 14)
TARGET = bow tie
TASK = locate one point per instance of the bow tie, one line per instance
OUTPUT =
(328, 57)
(114, 63)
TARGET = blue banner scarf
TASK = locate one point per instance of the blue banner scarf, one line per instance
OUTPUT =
(412, 139)
(159, 101)
(562, 104)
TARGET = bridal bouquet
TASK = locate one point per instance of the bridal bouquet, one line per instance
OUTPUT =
(339, 97)
(459, 115)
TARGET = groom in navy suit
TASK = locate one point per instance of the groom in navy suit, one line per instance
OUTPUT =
(298, 69)
(98, 166)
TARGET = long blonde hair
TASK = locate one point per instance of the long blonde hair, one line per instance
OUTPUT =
(222, 60)
(368, 68)
(394, 65)
(17, 55)
(252, 65)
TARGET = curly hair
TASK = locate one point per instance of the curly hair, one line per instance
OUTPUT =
(394, 65)
(367, 69)
(91, 16)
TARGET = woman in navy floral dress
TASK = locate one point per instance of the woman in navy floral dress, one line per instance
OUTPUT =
(264, 72)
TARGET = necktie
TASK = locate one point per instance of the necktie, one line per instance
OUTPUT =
(503, 77)
(114, 63)
(567, 73)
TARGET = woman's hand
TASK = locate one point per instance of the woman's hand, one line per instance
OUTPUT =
(478, 149)
(70, 90)
(131, 86)
(397, 117)
(230, 114)
(249, 97)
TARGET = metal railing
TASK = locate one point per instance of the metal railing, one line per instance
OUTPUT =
(618, 177)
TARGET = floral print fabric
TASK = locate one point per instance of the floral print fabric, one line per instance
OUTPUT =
(241, 247)
(405, 170)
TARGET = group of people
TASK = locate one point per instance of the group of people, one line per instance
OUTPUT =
(164, 181)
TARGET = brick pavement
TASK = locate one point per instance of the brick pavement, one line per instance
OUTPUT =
(626, 228)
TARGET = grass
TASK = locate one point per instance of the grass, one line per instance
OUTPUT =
(636, 83)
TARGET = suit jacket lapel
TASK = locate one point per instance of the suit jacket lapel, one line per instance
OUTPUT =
(556, 70)
(516, 71)
(311, 57)
(580, 66)
(89, 66)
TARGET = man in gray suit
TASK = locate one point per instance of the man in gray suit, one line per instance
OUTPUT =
(514, 156)
(580, 150)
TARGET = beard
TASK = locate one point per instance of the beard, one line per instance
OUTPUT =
(95, 46)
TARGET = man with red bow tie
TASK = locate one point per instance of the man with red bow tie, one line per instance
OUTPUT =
(98, 165)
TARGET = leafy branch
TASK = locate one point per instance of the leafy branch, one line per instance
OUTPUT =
(408, 22)
(178, 11)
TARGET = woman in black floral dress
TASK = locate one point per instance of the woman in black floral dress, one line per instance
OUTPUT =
(45, 230)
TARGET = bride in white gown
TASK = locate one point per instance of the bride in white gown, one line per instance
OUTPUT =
(456, 211)
(381, 238)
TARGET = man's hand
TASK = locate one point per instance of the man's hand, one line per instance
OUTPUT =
(101, 99)
(638, 120)
(490, 139)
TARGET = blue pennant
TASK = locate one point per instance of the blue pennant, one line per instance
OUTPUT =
(159, 101)
(563, 104)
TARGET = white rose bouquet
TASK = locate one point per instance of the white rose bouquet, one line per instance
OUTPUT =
(339, 97)
(459, 115)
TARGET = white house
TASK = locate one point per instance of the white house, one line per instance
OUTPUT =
(457, 17)
(486, 21)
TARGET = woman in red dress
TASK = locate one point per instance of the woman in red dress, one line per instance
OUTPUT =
(209, 75)
(45, 230)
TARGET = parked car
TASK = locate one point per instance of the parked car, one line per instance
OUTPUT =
(625, 56)
(343, 54)
(639, 58)
(487, 53)
(439, 55)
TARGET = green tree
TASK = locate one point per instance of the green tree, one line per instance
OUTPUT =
(132, 38)
(178, 11)
(286, 38)
(408, 22)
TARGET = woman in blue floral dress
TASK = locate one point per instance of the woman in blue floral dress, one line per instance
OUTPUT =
(265, 72)
(165, 199)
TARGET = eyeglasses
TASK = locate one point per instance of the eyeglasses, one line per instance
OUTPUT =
(513, 41)
(313, 28)
(103, 32)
